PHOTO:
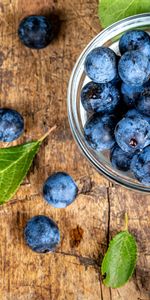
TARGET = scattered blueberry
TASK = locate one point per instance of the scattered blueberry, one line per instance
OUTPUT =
(99, 132)
(101, 65)
(130, 94)
(120, 160)
(134, 68)
(135, 40)
(100, 97)
(36, 32)
(132, 133)
(11, 125)
(41, 234)
(60, 190)
(140, 166)
(143, 102)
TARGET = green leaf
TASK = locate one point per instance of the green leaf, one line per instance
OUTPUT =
(14, 165)
(111, 11)
(120, 260)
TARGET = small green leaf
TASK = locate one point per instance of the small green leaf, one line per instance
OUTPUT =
(120, 260)
(111, 11)
(14, 165)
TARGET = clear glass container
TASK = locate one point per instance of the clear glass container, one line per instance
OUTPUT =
(76, 113)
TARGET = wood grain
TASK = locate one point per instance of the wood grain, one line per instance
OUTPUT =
(35, 83)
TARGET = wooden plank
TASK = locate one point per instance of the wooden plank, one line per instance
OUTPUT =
(35, 83)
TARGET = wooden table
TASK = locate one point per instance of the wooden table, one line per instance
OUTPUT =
(35, 84)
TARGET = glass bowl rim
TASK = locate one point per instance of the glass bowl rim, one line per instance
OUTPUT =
(117, 27)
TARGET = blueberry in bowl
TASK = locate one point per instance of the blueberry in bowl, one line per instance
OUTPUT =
(140, 166)
(100, 97)
(120, 159)
(99, 131)
(101, 65)
(133, 133)
(135, 40)
(111, 143)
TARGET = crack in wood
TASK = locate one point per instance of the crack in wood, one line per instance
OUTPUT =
(85, 261)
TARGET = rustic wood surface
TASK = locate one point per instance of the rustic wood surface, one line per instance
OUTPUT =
(35, 83)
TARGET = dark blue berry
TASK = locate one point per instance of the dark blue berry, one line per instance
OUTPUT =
(60, 190)
(132, 133)
(130, 94)
(140, 166)
(41, 234)
(120, 159)
(101, 65)
(36, 32)
(135, 40)
(100, 97)
(143, 102)
(99, 132)
(134, 68)
(11, 125)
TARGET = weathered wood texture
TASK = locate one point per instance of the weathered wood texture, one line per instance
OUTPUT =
(35, 83)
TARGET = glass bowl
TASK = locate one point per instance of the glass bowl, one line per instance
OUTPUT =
(78, 116)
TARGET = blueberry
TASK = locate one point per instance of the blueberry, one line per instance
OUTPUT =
(60, 190)
(100, 97)
(36, 32)
(132, 133)
(101, 65)
(130, 94)
(135, 40)
(99, 132)
(132, 113)
(11, 125)
(41, 234)
(140, 166)
(120, 159)
(143, 102)
(134, 68)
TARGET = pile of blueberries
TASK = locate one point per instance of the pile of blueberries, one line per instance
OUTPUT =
(117, 102)
(41, 232)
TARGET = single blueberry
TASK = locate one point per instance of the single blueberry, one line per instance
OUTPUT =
(99, 131)
(132, 133)
(11, 125)
(100, 97)
(41, 234)
(143, 102)
(135, 40)
(60, 190)
(120, 159)
(134, 68)
(101, 65)
(130, 94)
(140, 166)
(36, 32)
